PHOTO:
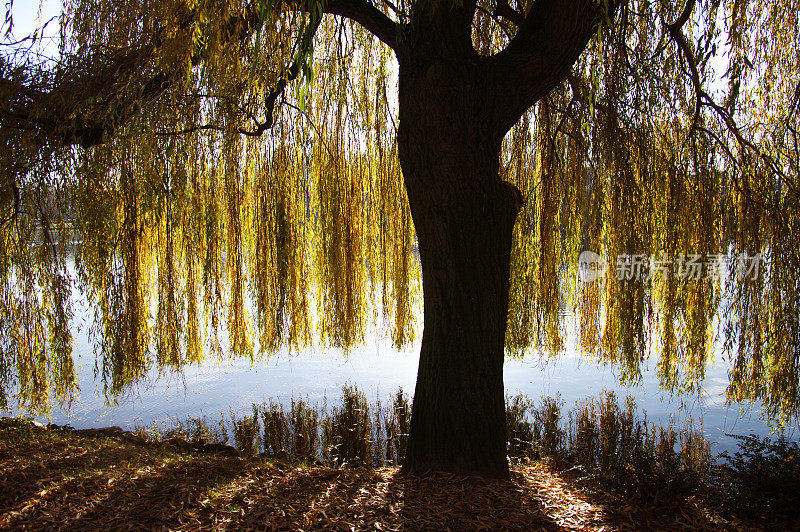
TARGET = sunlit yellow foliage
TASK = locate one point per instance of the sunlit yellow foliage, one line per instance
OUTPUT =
(193, 238)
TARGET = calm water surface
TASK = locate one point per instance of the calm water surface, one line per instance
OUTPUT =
(378, 369)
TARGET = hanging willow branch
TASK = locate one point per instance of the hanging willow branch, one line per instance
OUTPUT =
(211, 223)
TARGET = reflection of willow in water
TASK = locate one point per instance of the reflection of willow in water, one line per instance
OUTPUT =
(179, 232)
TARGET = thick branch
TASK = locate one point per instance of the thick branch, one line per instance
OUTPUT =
(88, 110)
(503, 9)
(78, 110)
(369, 16)
(549, 41)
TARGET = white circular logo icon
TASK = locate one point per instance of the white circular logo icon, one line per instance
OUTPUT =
(591, 266)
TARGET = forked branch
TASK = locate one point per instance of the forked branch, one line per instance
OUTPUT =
(550, 38)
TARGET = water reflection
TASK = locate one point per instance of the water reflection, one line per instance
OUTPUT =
(378, 369)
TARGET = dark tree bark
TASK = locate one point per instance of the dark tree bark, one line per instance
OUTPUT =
(455, 108)
(464, 216)
(458, 419)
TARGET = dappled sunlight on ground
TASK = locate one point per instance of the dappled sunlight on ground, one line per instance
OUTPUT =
(560, 502)
(53, 479)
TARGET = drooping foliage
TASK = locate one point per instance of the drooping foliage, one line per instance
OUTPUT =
(221, 179)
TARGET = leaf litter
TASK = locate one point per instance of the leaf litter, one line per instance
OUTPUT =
(76, 480)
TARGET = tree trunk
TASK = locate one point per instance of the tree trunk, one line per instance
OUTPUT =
(464, 216)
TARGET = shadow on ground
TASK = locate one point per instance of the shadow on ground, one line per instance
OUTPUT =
(50, 480)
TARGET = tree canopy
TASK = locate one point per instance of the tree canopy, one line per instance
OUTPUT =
(225, 176)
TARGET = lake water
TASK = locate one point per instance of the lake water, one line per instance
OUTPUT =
(378, 369)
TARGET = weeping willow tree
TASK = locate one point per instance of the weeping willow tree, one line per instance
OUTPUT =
(227, 178)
